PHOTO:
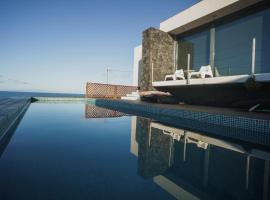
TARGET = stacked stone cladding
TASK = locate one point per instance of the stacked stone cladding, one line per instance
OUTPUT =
(157, 50)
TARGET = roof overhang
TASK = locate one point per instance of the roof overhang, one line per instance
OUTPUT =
(202, 13)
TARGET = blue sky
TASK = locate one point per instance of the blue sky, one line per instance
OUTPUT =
(59, 45)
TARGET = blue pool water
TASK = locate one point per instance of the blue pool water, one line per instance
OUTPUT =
(74, 151)
(56, 153)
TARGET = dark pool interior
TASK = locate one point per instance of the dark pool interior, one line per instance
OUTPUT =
(78, 151)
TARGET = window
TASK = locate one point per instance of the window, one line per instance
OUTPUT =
(198, 46)
(233, 45)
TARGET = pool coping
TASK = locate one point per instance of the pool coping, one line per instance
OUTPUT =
(235, 125)
(254, 127)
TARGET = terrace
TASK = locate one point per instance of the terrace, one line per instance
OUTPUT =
(231, 37)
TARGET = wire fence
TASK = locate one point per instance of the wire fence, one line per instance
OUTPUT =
(108, 91)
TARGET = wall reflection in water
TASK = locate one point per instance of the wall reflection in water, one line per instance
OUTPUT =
(190, 165)
(92, 111)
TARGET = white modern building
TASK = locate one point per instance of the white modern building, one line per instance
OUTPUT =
(231, 37)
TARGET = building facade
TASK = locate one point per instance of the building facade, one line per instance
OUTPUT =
(231, 36)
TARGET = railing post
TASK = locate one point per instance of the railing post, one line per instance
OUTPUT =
(107, 76)
(152, 75)
(253, 56)
(175, 54)
(247, 171)
(185, 146)
(206, 166)
(188, 68)
(212, 49)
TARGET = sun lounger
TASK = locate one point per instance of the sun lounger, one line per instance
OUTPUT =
(205, 71)
(178, 75)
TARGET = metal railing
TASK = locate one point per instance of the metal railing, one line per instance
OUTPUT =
(246, 60)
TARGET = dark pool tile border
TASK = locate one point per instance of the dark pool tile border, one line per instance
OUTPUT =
(58, 100)
(238, 127)
(12, 113)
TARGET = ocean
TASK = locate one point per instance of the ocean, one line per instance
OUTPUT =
(8, 94)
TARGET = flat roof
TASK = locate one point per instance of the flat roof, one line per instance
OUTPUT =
(202, 13)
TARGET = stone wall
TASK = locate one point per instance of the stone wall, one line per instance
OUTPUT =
(157, 49)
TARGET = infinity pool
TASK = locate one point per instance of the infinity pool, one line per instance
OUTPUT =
(77, 151)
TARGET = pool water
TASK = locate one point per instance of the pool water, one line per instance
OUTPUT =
(77, 151)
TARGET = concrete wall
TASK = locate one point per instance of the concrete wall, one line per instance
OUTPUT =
(158, 50)
(202, 13)
(137, 65)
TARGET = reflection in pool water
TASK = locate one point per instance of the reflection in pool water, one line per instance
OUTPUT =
(56, 154)
(92, 111)
(190, 165)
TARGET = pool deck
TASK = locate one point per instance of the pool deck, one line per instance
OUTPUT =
(11, 110)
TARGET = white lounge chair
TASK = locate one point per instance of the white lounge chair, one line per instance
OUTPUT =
(178, 75)
(203, 72)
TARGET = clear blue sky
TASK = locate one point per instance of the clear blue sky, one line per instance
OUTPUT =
(59, 45)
